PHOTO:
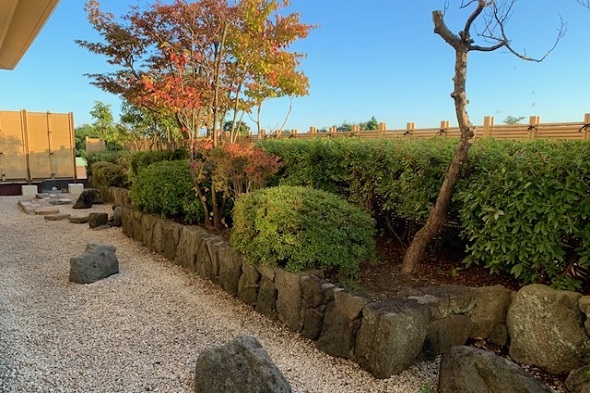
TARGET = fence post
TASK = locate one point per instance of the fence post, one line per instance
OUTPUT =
(333, 130)
(533, 123)
(488, 125)
(586, 125)
(409, 129)
(313, 131)
(382, 128)
(356, 129)
(262, 134)
(444, 126)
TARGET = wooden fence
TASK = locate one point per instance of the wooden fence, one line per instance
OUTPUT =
(533, 130)
(36, 146)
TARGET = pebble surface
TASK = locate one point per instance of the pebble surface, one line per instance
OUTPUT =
(140, 330)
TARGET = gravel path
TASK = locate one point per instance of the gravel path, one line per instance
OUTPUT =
(140, 330)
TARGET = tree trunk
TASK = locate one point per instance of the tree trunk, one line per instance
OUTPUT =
(439, 211)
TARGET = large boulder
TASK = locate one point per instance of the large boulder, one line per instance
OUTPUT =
(118, 216)
(99, 261)
(87, 198)
(242, 365)
(391, 336)
(472, 370)
(546, 329)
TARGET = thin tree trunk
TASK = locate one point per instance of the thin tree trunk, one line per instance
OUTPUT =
(439, 211)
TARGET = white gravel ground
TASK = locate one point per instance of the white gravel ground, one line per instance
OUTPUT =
(140, 330)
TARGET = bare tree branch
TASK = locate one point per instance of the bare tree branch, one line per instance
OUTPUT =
(585, 3)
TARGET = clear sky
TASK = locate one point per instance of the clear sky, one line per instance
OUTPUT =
(374, 58)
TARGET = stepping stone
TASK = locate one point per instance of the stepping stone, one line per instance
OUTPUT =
(60, 201)
(57, 217)
(43, 211)
(79, 219)
(29, 207)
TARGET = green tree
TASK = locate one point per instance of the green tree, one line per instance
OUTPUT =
(513, 120)
(144, 125)
(114, 134)
(370, 125)
(242, 128)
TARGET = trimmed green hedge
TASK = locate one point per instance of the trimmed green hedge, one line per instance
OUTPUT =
(142, 160)
(302, 228)
(119, 157)
(166, 188)
(524, 207)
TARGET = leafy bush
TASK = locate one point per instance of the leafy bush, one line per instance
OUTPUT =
(142, 160)
(166, 188)
(114, 157)
(223, 173)
(525, 208)
(389, 178)
(106, 174)
(300, 228)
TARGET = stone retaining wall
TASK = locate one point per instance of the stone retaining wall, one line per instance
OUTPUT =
(544, 327)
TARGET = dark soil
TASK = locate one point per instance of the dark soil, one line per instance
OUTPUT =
(383, 278)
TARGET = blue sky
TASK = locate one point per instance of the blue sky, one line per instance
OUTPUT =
(379, 58)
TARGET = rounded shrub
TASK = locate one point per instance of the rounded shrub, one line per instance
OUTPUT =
(166, 188)
(302, 228)
(106, 174)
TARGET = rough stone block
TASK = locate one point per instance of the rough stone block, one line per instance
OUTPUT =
(341, 323)
(391, 336)
(57, 217)
(98, 262)
(289, 305)
(97, 219)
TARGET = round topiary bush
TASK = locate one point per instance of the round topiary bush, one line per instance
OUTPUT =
(106, 174)
(166, 188)
(300, 228)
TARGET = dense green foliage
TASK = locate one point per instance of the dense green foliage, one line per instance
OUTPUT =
(524, 207)
(106, 174)
(141, 160)
(166, 188)
(301, 228)
(115, 157)
(399, 176)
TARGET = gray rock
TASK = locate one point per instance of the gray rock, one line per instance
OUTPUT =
(266, 303)
(88, 197)
(99, 261)
(118, 216)
(230, 268)
(489, 314)
(239, 366)
(391, 336)
(97, 219)
(443, 334)
(546, 329)
(56, 217)
(472, 370)
(289, 298)
(341, 323)
(447, 300)
(579, 380)
(189, 243)
(249, 283)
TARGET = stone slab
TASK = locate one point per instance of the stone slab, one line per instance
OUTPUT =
(79, 219)
(57, 217)
(31, 206)
(43, 211)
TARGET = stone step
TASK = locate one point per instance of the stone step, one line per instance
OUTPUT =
(79, 219)
(57, 217)
(43, 211)
(29, 207)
